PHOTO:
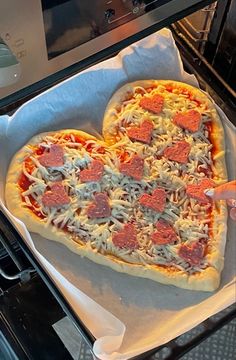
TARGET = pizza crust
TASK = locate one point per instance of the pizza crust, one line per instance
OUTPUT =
(220, 213)
(207, 280)
(109, 129)
(12, 190)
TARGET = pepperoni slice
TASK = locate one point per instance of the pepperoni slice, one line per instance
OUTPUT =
(193, 254)
(53, 158)
(190, 120)
(153, 104)
(196, 191)
(126, 238)
(93, 173)
(56, 197)
(142, 133)
(156, 201)
(178, 152)
(100, 208)
(133, 168)
(164, 234)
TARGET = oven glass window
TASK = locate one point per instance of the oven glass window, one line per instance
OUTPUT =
(67, 24)
(70, 23)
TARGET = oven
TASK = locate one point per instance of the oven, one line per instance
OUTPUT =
(44, 42)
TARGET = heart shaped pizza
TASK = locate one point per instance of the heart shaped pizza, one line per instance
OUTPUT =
(134, 202)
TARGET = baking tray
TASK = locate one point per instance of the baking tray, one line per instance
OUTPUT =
(59, 291)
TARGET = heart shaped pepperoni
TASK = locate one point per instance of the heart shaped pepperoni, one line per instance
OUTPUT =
(100, 208)
(178, 152)
(93, 173)
(126, 238)
(156, 201)
(54, 158)
(196, 191)
(133, 168)
(142, 133)
(193, 254)
(153, 104)
(190, 120)
(164, 235)
(56, 197)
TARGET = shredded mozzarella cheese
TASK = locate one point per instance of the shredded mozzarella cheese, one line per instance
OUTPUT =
(188, 218)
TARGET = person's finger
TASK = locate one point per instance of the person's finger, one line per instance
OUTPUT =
(231, 202)
(223, 192)
(233, 213)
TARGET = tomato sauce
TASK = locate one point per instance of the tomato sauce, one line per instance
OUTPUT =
(131, 96)
(34, 208)
(29, 165)
(101, 150)
(206, 171)
(24, 182)
(210, 228)
(209, 127)
(76, 138)
(118, 109)
(169, 88)
(150, 88)
(185, 92)
(140, 91)
(40, 150)
(65, 228)
(123, 156)
(79, 140)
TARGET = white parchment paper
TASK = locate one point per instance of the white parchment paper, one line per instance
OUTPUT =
(127, 315)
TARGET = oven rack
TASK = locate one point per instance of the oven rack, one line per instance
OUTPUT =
(11, 236)
(177, 348)
(208, 78)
